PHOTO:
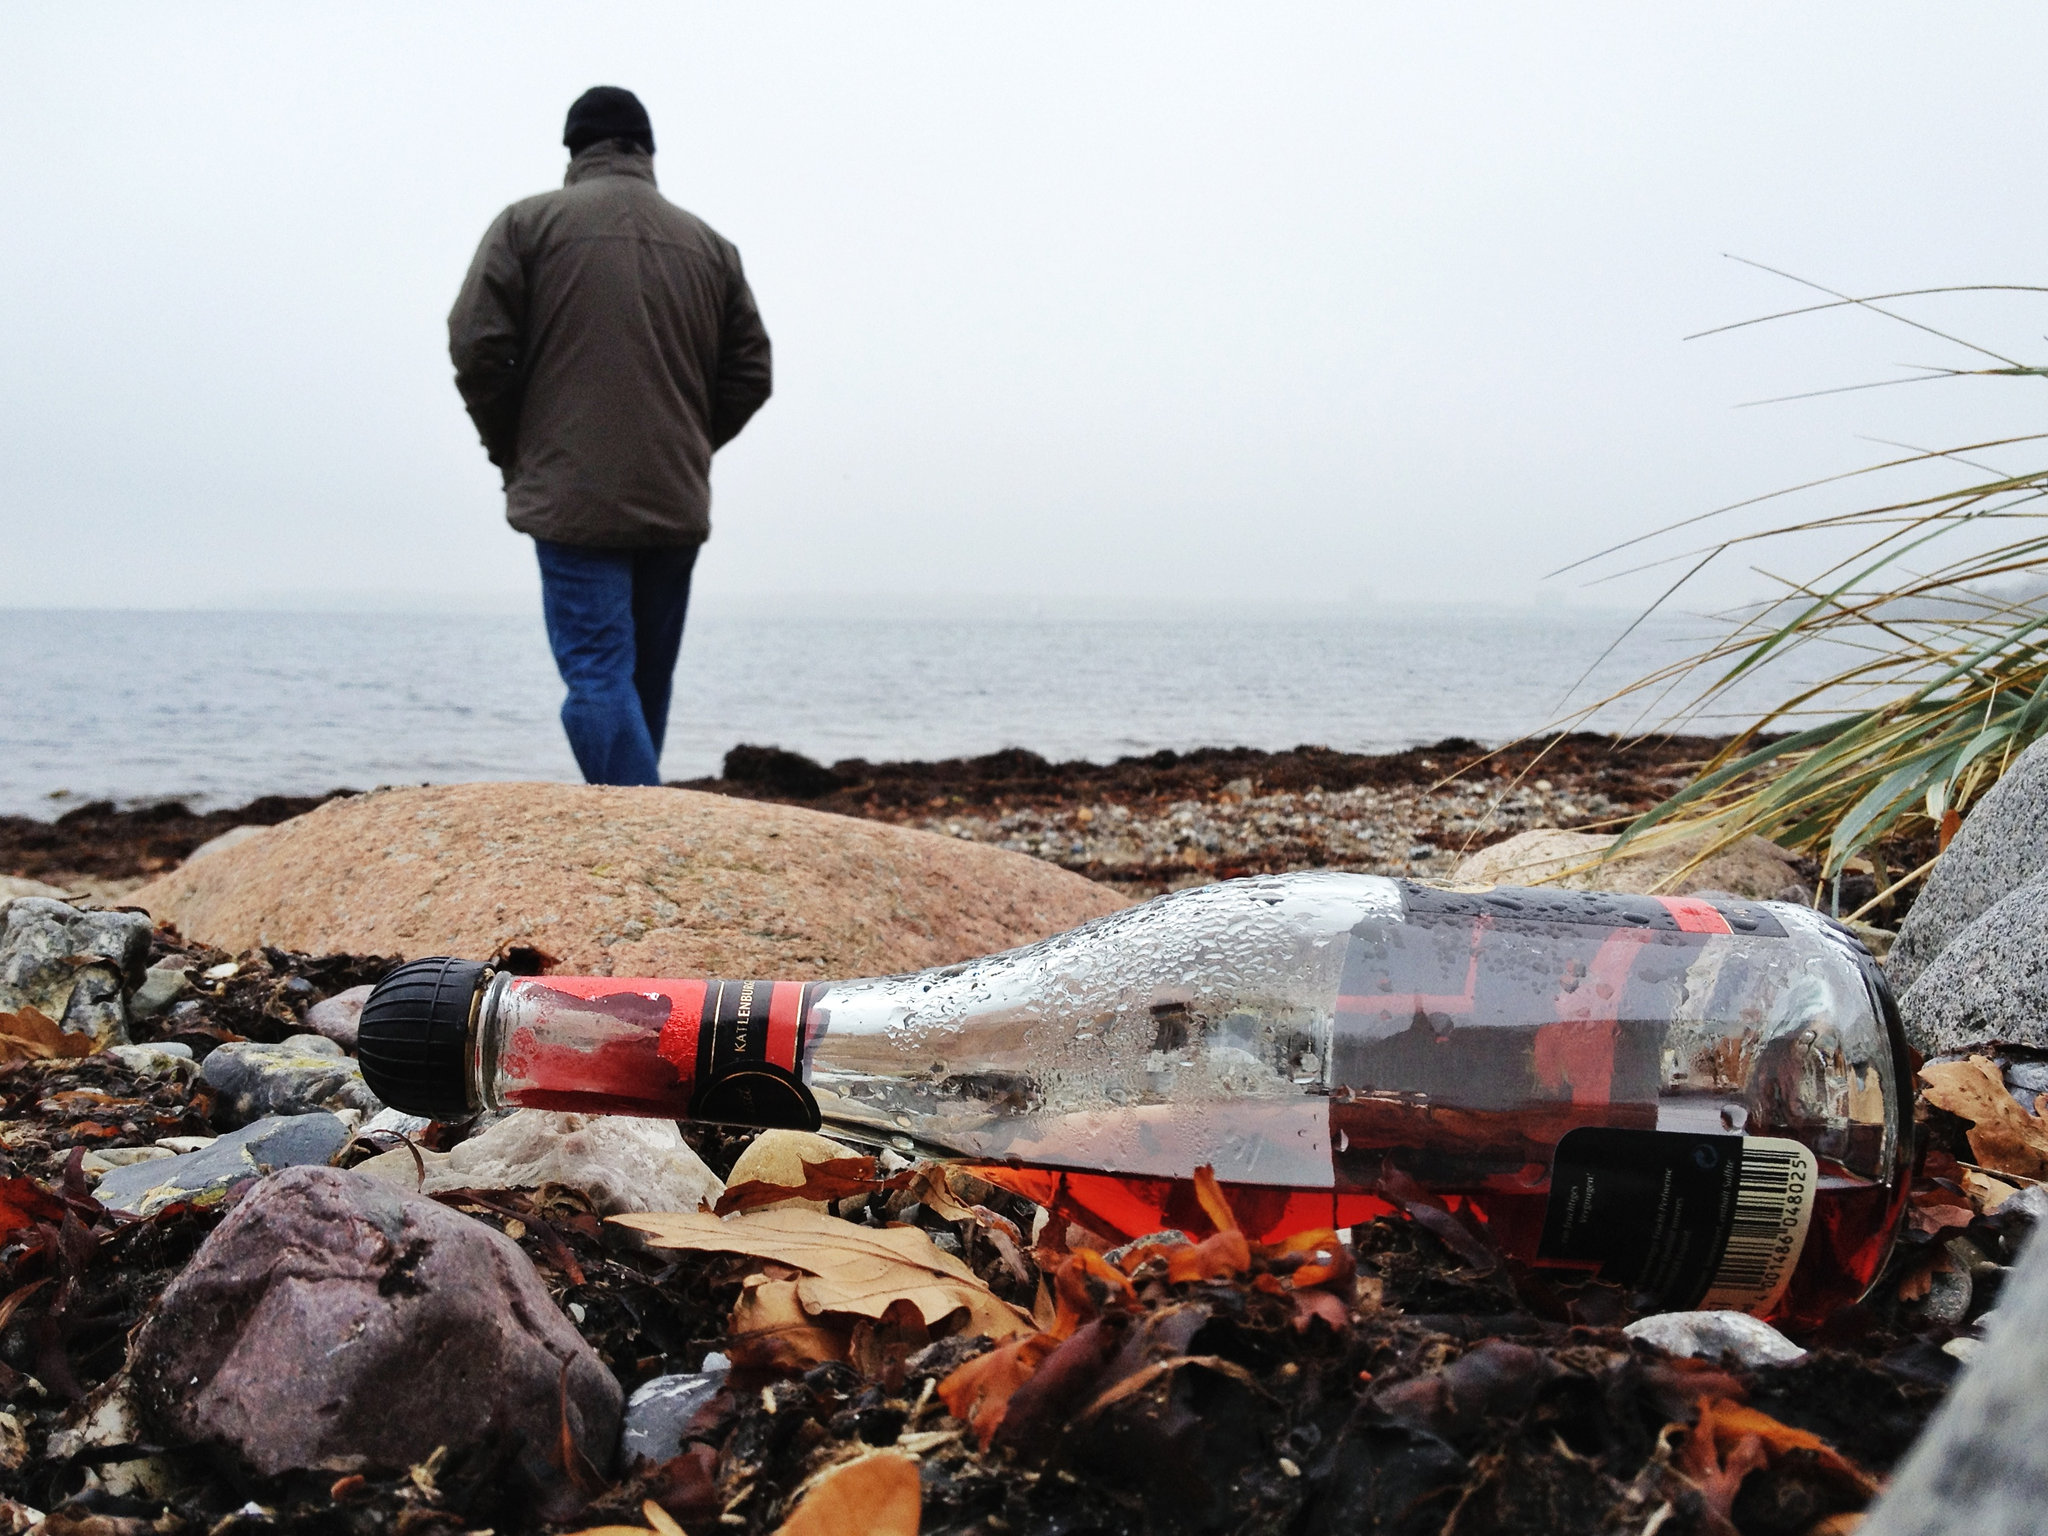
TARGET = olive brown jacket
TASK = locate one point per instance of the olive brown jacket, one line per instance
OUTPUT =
(606, 344)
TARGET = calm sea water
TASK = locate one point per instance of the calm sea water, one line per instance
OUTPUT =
(219, 707)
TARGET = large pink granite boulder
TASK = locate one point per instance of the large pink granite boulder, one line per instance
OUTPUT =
(621, 882)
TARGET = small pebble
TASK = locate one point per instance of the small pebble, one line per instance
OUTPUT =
(2028, 1076)
(1948, 1297)
(1710, 1335)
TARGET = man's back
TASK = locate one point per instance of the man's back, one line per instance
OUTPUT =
(606, 343)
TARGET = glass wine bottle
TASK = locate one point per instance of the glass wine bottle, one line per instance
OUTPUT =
(1704, 1099)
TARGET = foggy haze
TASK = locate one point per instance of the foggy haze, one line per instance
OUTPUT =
(1242, 305)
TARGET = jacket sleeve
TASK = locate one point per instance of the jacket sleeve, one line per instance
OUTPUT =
(486, 341)
(744, 368)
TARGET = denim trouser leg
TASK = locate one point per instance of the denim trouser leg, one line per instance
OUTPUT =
(594, 601)
(661, 598)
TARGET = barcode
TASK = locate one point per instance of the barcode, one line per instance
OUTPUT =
(1774, 1195)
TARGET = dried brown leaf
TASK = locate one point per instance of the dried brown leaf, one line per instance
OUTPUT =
(1917, 1282)
(820, 1184)
(2003, 1137)
(932, 1184)
(978, 1392)
(1935, 1210)
(877, 1495)
(32, 1035)
(847, 1269)
(780, 1163)
(1209, 1195)
(1731, 1422)
(24, 1202)
(771, 1330)
(1217, 1257)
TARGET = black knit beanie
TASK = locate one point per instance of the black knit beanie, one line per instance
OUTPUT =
(607, 112)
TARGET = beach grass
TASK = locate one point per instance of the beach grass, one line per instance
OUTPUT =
(1930, 619)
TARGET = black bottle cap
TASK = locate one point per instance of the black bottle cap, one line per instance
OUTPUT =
(413, 1039)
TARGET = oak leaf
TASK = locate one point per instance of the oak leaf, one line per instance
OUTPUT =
(2003, 1137)
(845, 1268)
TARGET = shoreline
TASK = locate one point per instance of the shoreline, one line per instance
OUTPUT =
(1145, 824)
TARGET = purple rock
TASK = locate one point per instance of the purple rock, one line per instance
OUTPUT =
(336, 1017)
(332, 1323)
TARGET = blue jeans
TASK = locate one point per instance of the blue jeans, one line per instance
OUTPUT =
(615, 623)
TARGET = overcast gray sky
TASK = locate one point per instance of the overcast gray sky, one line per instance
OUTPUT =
(1273, 302)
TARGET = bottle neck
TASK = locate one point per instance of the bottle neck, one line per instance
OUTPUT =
(710, 1049)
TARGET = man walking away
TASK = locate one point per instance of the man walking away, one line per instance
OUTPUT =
(606, 345)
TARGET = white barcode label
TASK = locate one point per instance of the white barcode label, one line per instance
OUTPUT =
(1774, 1199)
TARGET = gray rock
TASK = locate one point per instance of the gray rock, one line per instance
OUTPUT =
(305, 1072)
(336, 1017)
(621, 1162)
(204, 1177)
(75, 967)
(2003, 845)
(394, 1121)
(98, 1163)
(1710, 1335)
(2031, 1202)
(659, 1411)
(167, 1060)
(162, 985)
(333, 1323)
(1990, 985)
(1948, 1297)
(2028, 1077)
(1980, 1466)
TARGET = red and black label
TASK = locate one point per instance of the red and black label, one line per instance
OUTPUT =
(749, 1047)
